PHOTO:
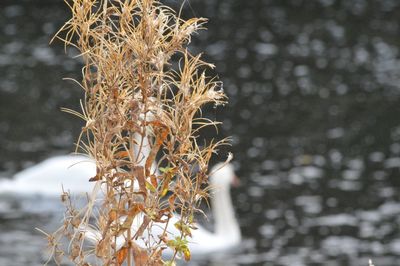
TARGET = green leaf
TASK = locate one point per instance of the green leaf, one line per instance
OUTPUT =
(169, 263)
(150, 187)
(184, 228)
(165, 169)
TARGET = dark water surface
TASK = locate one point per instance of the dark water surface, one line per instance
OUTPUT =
(314, 114)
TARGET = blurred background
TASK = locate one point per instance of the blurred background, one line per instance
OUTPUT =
(313, 110)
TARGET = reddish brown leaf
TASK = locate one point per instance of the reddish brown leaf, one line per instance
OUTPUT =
(153, 180)
(121, 154)
(121, 255)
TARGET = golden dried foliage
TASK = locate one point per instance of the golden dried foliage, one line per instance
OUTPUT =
(134, 97)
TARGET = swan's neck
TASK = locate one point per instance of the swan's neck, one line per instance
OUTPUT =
(226, 225)
(142, 151)
(142, 148)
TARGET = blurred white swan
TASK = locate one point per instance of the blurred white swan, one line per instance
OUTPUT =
(71, 172)
(226, 229)
(47, 178)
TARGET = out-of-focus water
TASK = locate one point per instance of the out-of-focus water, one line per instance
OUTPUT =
(314, 102)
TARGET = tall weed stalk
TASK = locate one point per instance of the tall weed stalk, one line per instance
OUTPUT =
(135, 97)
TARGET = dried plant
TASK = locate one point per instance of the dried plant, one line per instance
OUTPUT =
(141, 114)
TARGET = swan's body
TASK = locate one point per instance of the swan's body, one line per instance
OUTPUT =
(72, 172)
(227, 231)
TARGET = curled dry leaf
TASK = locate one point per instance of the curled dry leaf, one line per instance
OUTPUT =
(121, 255)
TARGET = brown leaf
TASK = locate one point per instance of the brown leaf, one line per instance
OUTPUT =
(153, 180)
(171, 201)
(131, 126)
(139, 255)
(161, 134)
(139, 173)
(126, 225)
(97, 177)
(121, 154)
(139, 232)
(102, 248)
(121, 255)
(137, 208)
(113, 215)
(166, 184)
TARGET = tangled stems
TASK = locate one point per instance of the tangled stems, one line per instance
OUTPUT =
(141, 114)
